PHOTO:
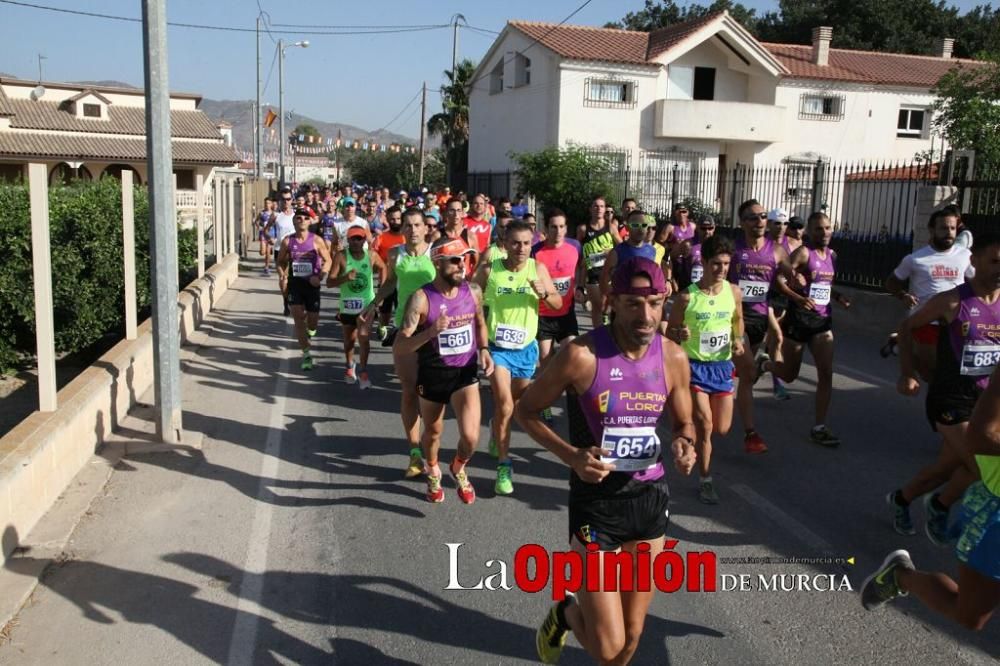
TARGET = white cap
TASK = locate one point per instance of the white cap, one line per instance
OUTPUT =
(777, 215)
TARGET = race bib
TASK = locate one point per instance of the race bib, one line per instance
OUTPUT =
(455, 341)
(754, 292)
(979, 358)
(632, 449)
(352, 306)
(562, 285)
(302, 269)
(820, 293)
(713, 342)
(697, 271)
(510, 337)
(597, 260)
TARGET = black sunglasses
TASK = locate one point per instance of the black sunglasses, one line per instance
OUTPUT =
(755, 216)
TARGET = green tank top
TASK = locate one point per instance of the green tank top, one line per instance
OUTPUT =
(411, 274)
(595, 249)
(359, 292)
(710, 321)
(513, 305)
(496, 251)
(989, 469)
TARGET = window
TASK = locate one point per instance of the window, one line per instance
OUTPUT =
(92, 110)
(527, 71)
(821, 107)
(496, 78)
(609, 93)
(910, 124)
(185, 179)
(522, 71)
(704, 83)
(798, 181)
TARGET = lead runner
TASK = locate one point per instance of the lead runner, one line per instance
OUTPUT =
(620, 378)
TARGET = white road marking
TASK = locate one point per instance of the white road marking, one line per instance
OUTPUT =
(789, 524)
(869, 377)
(248, 610)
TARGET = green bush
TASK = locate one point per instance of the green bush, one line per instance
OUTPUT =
(568, 178)
(88, 281)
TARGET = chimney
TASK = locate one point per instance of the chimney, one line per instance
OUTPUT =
(821, 45)
(943, 47)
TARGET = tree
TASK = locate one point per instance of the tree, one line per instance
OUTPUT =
(567, 177)
(305, 129)
(393, 170)
(967, 111)
(666, 13)
(452, 124)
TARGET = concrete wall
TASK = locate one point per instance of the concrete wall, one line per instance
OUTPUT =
(40, 457)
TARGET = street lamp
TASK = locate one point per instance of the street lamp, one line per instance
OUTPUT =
(281, 103)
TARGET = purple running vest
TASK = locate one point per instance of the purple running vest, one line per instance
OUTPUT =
(304, 252)
(974, 336)
(819, 281)
(688, 270)
(754, 271)
(681, 234)
(624, 403)
(455, 346)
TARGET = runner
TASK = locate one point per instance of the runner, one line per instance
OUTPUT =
(266, 232)
(685, 258)
(513, 287)
(635, 245)
(968, 349)
(682, 229)
(383, 245)
(409, 268)
(562, 257)
(754, 267)
(444, 328)
(597, 239)
(498, 250)
(939, 266)
(972, 600)
(283, 225)
(707, 321)
(353, 272)
(478, 225)
(809, 321)
(777, 230)
(618, 495)
(455, 226)
(303, 265)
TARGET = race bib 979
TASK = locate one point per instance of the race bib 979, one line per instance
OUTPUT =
(712, 342)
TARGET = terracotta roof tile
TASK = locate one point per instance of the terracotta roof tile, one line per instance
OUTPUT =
(586, 43)
(866, 66)
(41, 115)
(25, 144)
(5, 107)
(663, 39)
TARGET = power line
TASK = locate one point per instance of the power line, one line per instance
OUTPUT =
(477, 29)
(266, 18)
(267, 82)
(321, 27)
(401, 111)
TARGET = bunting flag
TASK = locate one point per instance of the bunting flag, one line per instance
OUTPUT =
(302, 138)
(339, 138)
(269, 118)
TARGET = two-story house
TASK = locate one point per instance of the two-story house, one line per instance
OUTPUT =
(704, 95)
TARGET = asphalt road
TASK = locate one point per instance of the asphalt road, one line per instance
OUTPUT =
(291, 537)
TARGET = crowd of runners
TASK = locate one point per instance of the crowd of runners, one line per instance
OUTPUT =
(684, 322)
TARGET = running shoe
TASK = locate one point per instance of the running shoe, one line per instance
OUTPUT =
(383, 333)
(823, 437)
(505, 481)
(606, 319)
(390, 337)
(937, 522)
(889, 348)
(706, 493)
(266, 271)
(754, 443)
(349, 376)
(416, 466)
(758, 366)
(550, 637)
(901, 521)
(307, 361)
(781, 393)
(311, 332)
(466, 492)
(547, 416)
(364, 381)
(881, 586)
(435, 493)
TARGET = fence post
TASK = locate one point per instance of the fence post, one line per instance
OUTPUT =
(41, 266)
(230, 217)
(199, 221)
(673, 187)
(128, 254)
(817, 189)
(733, 222)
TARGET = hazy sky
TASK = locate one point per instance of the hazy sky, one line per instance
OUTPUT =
(361, 79)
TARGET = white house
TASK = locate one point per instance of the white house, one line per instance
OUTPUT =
(704, 95)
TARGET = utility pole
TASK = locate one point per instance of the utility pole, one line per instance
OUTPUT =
(163, 231)
(255, 118)
(423, 130)
(281, 113)
(454, 40)
(258, 134)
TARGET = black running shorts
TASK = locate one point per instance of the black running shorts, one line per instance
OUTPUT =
(438, 384)
(949, 406)
(558, 328)
(300, 292)
(350, 320)
(755, 325)
(802, 325)
(613, 521)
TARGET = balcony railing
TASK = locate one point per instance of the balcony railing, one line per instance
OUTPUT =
(719, 121)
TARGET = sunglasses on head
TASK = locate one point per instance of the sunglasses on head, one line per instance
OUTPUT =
(755, 216)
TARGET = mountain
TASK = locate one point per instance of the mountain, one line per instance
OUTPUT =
(237, 113)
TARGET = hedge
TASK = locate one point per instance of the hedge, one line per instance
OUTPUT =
(88, 284)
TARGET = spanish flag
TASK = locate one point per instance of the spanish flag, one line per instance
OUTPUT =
(269, 118)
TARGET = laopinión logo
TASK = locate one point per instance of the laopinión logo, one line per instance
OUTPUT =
(535, 568)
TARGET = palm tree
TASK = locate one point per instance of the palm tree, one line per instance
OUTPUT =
(452, 124)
